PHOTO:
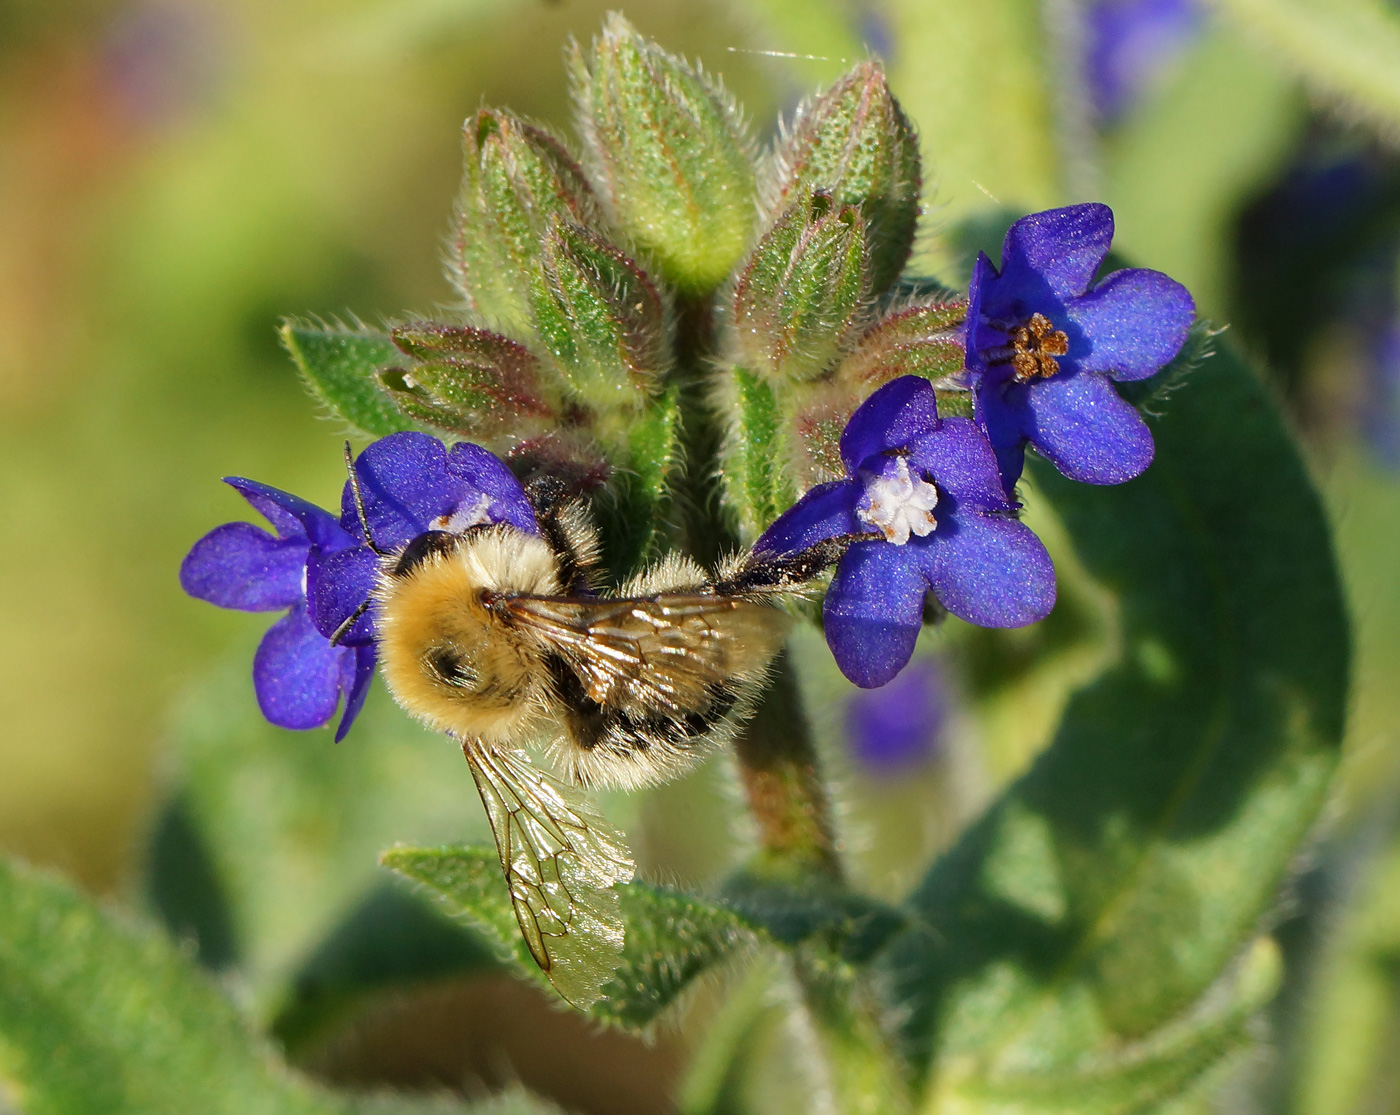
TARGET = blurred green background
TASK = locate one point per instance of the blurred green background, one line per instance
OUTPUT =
(177, 175)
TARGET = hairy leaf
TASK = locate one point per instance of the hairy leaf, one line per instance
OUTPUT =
(101, 1015)
(670, 937)
(339, 367)
(1073, 932)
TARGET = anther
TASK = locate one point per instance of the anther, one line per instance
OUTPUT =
(1034, 347)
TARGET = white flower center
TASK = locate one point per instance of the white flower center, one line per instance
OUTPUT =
(899, 505)
(467, 515)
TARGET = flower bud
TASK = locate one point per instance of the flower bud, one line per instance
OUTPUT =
(801, 291)
(601, 319)
(468, 381)
(920, 340)
(516, 179)
(855, 142)
(670, 150)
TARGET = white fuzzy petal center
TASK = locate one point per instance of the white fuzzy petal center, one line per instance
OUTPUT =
(898, 505)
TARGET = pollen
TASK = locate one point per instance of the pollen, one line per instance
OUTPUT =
(898, 504)
(1034, 347)
(467, 515)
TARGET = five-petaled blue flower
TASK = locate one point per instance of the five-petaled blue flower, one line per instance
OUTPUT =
(298, 676)
(930, 485)
(411, 484)
(1043, 345)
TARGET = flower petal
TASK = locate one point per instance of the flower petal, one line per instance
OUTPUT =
(873, 611)
(481, 472)
(991, 571)
(960, 460)
(293, 516)
(1080, 424)
(894, 416)
(827, 511)
(404, 481)
(241, 566)
(1134, 321)
(979, 336)
(1064, 247)
(296, 673)
(336, 585)
(356, 672)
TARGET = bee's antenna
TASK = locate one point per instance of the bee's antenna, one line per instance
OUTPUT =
(364, 526)
(351, 620)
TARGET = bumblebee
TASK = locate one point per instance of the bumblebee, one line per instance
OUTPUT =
(497, 637)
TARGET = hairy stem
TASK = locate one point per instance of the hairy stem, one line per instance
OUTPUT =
(783, 785)
(777, 762)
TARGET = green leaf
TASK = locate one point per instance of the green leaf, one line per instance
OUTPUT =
(920, 340)
(101, 1016)
(757, 482)
(1075, 930)
(340, 366)
(633, 511)
(670, 937)
(1348, 50)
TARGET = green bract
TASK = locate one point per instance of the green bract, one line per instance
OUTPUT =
(800, 291)
(855, 142)
(670, 153)
(516, 179)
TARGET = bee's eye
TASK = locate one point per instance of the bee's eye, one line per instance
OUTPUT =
(450, 668)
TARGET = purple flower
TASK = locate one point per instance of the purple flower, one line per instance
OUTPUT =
(411, 484)
(1130, 44)
(930, 486)
(298, 676)
(895, 728)
(1043, 345)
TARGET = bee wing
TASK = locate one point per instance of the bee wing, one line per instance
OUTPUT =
(560, 861)
(655, 655)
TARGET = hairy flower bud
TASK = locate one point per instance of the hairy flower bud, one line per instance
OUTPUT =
(516, 179)
(670, 150)
(925, 340)
(855, 142)
(601, 319)
(468, 381)
(801, 291)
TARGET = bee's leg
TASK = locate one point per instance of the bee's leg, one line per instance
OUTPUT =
(567, 527)
(757, 572)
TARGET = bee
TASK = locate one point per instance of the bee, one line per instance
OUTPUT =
(497, 637)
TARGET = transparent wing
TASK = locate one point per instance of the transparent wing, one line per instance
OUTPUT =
(560, 861)
(663, 654)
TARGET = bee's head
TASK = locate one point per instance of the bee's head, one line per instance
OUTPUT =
(449, 657)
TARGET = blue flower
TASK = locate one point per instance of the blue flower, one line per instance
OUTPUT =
(899, 727)
(1043, 345)
(299, 678)
(411, 484)
(1129, 45)
(930, 486)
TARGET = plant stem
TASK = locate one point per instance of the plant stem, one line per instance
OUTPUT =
(783, 785)
(777, 761)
